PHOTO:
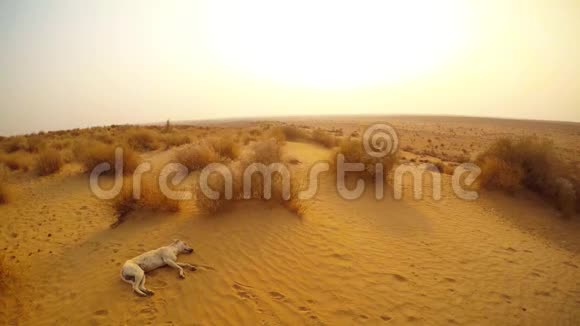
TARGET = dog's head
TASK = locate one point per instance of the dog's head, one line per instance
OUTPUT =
(182, 247)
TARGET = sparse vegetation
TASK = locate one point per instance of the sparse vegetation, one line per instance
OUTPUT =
(276, 133)
(150, 197)
(35, 143)
(197, 156)
(225, 146)
(528, 163)
(354, 152)
(293, 133)
(17, 161)
(14, 144)
(104, 137)
(265, 152)
(49, 161)
(172, 139)
(323, 138)
(208, 205)
(92, 153)
(142, 139)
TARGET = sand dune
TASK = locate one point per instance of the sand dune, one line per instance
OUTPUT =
(498, 260)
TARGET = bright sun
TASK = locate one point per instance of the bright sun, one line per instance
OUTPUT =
(335, 44)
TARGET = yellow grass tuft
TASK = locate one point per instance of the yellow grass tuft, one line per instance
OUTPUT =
(323, 138)
(17, 161)
(354, 152)
(530, 163)
(49, 161)
(92, 153)
(276, 133)
(14, 144)
(265, 151)
(294, 133)
(207, 205)
(226, 147)
(172, 139)
(197, 156)
(150, 197)
(104, 137)
(142, 139)
(35, 143)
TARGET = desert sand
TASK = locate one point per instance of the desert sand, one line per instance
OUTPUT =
(502, 259)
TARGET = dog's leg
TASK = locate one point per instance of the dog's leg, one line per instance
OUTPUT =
(175, 265)
(143, 288)
(190, 266)
(139, 276)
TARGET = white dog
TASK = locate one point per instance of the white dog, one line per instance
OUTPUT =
(134, 270)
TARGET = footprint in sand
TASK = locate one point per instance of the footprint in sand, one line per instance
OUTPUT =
(242, 292)
(277, 295)
(102, 312)
(542, 293)
(386, 318)
(158, 284)
(400, 278)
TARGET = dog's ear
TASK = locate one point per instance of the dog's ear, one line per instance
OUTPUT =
(175, 241)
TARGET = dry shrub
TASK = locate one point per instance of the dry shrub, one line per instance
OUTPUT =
(150, 197)
(276, 133)
(354, 152)
(104, 137)
(265, 151)
(35, 143)
(60, 144)
(142, 139)
(566, 196)
(529, 163)
(245, 139)
(323, 138)
(499, 174)
(294, 204)
(216, 182)
(17, 161)
(255, 132)
(92, 153)
(172, 139)
(207, 205)
(197, 156)
(49, 161)
(293, 133)
(226, 147)
(14, 144)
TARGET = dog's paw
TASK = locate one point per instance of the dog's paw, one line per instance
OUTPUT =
(181, 274)
(149, 292)
(192, 268)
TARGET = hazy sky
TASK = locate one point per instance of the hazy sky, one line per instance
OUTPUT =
(66, 64)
